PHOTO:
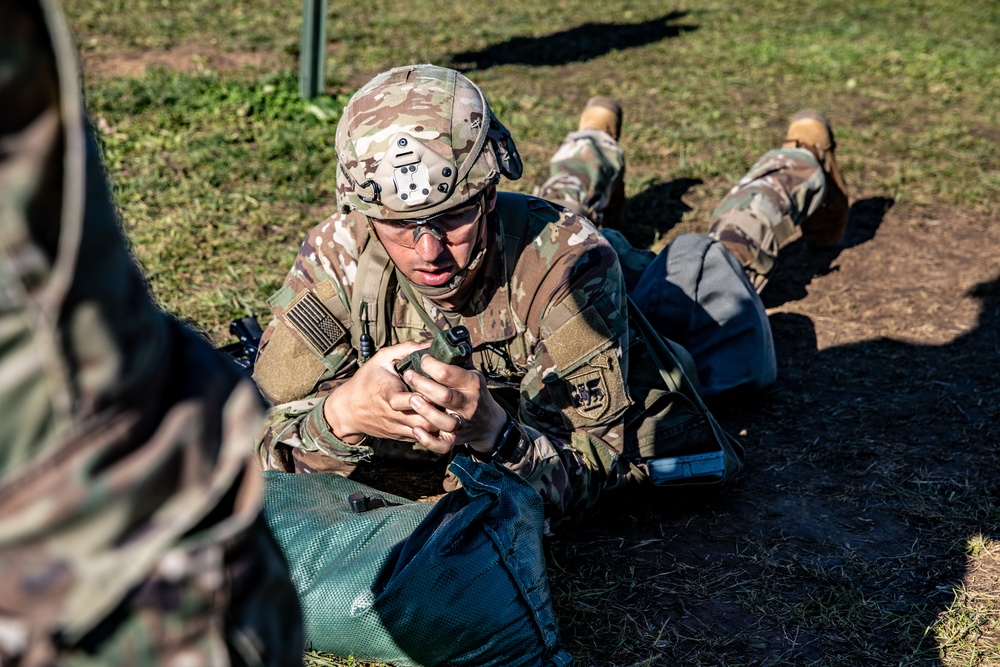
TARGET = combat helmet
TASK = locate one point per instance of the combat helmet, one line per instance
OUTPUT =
(419, 140)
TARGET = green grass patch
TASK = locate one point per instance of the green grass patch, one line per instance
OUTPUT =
(219, 177)
(217, 181)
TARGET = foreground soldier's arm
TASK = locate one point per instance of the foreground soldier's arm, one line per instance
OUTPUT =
(130, 528)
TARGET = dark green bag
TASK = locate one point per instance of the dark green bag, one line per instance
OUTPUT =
(458, 582)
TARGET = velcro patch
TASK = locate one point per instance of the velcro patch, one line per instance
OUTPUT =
(578, 340)
(314, 323)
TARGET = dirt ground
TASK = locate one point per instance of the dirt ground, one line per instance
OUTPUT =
(870, 491)
(870, 466)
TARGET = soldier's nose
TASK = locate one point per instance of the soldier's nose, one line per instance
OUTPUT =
(429, 245)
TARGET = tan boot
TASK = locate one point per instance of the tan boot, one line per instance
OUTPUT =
(602, 113)
(811, 129)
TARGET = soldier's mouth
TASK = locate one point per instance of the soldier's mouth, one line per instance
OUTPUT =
(434, 277)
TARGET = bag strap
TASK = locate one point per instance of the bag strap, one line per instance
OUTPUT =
(676, 367)
(417, 302)
(375, 279)
(513, 211)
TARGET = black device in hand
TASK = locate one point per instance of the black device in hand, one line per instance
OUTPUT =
(452, 346)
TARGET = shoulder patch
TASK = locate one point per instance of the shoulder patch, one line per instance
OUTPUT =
(595, 392)
(286, 369)
(589, 393)
(314, 323)
(579, 339)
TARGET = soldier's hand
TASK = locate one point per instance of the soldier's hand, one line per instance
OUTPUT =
(457, 405)
(374, 401)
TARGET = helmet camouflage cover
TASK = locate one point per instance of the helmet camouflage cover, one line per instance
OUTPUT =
(419, 140)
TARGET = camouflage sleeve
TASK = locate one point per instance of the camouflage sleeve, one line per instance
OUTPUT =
(129, 508)
(298, 366)
(574, 394)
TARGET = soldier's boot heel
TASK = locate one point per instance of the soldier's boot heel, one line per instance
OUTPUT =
(810, 129)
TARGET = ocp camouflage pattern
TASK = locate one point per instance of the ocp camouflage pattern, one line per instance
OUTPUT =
(587, 175)
(767, 207)
(129, 529)
(564, 270)
(474, 150)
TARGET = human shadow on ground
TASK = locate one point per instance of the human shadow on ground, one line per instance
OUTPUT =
(871, 466)
(876, 463)
(798, 264)
(578, 44)
(655, 211)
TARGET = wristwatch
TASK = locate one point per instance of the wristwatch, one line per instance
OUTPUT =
(505, 445)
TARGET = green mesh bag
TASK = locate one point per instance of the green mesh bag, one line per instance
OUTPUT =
(458, 582)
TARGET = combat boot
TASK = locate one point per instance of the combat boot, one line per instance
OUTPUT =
(602, 113)
(810, 129)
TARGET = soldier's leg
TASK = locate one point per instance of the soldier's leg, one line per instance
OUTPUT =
(792, 190)
(586, 174)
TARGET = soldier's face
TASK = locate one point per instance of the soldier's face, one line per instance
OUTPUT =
(435, 258)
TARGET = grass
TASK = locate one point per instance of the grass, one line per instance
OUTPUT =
(219, 176)
(217, 180)
(219, 173)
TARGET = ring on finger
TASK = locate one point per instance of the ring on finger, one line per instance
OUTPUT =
(459, 421)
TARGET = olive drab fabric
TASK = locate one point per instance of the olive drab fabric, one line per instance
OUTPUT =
(129, 507)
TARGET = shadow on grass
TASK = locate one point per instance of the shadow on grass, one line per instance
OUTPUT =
(654, 211)
(582, 43)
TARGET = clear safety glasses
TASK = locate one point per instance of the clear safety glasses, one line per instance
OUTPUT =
(452, 227)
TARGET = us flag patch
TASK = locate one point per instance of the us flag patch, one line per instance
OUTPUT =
(315, 323)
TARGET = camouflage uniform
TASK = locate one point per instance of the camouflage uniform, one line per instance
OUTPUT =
(767, 205)
(587, 176)
(548, 313)
(552, 341)
(695, 292)
(129, 528)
